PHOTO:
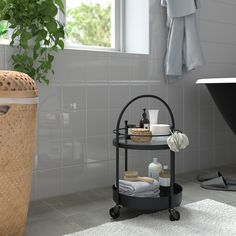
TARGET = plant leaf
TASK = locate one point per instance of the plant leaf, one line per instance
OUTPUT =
(33, 21)
(51, 27)
(60, 5)
(61, 44)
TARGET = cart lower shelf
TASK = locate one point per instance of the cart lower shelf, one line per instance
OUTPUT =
(149, 204)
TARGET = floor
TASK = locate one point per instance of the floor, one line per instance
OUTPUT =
(75, 212)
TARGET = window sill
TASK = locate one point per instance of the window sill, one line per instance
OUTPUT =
(73, 50)
(4, 42)
(97, 50)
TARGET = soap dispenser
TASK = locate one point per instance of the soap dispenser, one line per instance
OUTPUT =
(154, 169)
(144, 122)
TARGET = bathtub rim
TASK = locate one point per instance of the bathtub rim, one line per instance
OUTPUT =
(216, 81)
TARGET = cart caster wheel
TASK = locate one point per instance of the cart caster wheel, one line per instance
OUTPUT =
(174, 215)
(115, 212)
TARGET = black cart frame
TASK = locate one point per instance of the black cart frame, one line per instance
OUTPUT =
(149, 204)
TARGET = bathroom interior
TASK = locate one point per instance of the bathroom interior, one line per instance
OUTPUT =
(75, 161)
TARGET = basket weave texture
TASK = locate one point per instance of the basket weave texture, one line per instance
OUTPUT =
(17, 146)
(141, 135)
(16, 84)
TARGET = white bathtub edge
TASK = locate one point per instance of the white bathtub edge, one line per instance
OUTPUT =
(216, 81)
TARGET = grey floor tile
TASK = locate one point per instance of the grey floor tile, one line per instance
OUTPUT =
(192, 192)
(74, 203)
(95, 217)
(104, 192)
(52, 227)
(38, 210)
(75, 212)
(88, 219)
(72, 199)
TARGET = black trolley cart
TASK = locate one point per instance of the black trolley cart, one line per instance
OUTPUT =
(157, 143)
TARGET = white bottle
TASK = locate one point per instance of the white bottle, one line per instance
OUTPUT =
(154, 169)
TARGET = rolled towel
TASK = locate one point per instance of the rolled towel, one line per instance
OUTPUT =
(132, 187)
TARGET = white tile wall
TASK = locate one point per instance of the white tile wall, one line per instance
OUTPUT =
(78, 111)
(73, 152)
(73, 178)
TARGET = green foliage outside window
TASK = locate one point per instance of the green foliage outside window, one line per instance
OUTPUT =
(36, 34)
(89, 24)
(3, 29)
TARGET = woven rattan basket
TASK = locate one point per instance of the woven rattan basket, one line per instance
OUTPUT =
(140, 135)
(17, 146)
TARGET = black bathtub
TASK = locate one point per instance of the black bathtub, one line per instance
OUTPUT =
(223, 92)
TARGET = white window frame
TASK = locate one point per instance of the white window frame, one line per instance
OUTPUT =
(131, 31)
(117, 28)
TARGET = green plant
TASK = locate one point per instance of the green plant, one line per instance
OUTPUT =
(90, 24)
(3, 29)
(37, 34)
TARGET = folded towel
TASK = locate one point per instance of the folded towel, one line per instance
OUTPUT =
(180, 8)
(148, 194)
(133, 187)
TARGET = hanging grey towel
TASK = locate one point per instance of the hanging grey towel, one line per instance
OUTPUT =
(183, 45)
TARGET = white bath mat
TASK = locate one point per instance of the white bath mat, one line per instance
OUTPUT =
(207, 217)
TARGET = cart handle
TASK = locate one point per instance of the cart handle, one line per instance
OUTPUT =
(145, 96)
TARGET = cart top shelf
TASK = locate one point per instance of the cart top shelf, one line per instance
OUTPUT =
(156, 143)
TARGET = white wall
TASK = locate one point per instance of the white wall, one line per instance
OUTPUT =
(79, 109)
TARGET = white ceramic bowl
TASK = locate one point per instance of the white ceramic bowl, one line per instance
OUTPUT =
(160, 129)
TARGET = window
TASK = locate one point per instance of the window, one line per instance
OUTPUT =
(89, 24)
(112, 25)
(118, 25)
(93, 24)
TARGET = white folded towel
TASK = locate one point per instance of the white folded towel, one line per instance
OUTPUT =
(134, 187)
(149, 194)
